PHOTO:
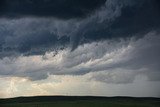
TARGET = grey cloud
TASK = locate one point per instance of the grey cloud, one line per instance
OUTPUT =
(108, 61)
(112, 38)
(143, 60)
(148, 52)
(63, 9)
(118, 19)
(31, 35)
(116, 76)
(130, 57)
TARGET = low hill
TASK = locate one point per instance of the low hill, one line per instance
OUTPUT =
(80, 101)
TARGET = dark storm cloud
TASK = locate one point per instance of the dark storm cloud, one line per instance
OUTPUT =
(96, 42)
(108, 61)
(35, 35)
(64, 9)
(30, 37)
(30, 45)
(128, 19)
(40, 41)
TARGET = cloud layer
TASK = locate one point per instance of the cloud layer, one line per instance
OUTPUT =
(98, 43)
(118, 61)
(64, 9)
(115, 19)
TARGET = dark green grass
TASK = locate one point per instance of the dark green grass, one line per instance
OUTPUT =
(61, 101)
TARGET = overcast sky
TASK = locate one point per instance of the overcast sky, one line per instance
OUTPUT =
(80, 47)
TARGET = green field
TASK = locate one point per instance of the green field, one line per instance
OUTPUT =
(62, 101)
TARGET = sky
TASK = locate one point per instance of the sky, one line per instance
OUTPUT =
(80, 48)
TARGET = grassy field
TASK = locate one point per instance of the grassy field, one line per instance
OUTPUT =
(62, 101)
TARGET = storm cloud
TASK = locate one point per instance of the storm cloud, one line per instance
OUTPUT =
(111, 42)
(114, 19)
(123, 59)
(64, 9)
